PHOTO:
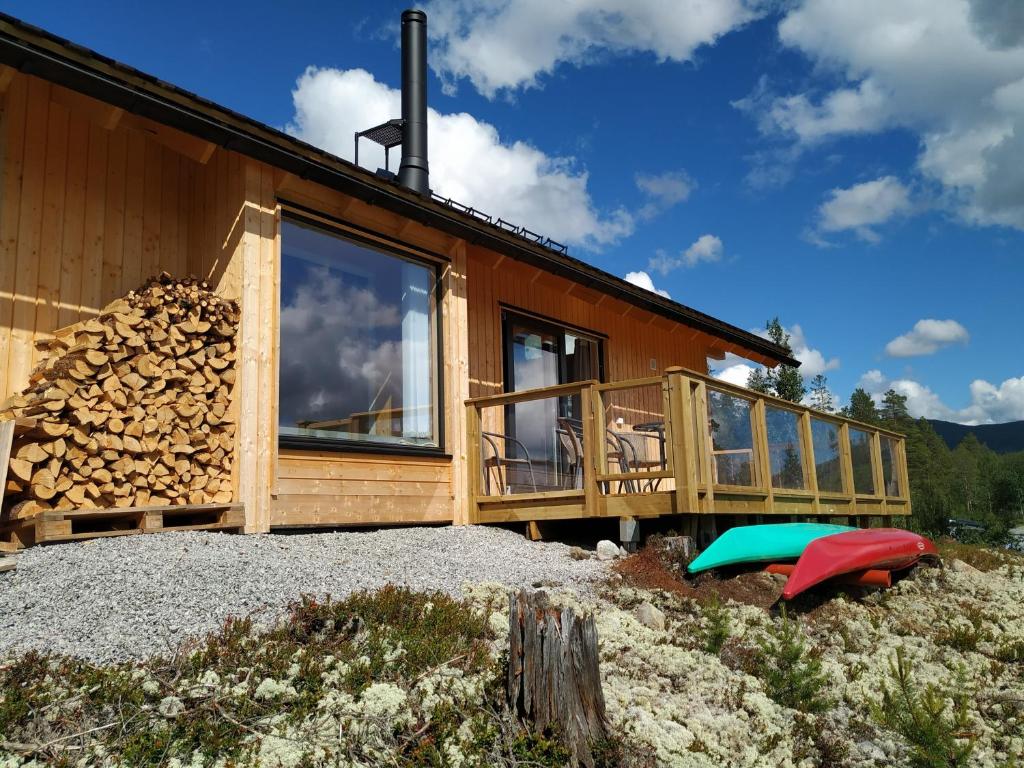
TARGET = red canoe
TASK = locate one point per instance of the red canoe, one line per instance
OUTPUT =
(889, 549)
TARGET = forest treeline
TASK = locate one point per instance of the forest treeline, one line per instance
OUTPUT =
(970, 482)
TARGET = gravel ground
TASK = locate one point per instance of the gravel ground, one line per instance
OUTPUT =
(122, 598)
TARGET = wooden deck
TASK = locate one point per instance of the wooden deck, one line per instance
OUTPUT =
(706, 448)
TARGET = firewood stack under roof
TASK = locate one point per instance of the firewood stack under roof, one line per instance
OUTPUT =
(130, 408)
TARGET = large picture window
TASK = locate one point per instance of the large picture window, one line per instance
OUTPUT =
(358, 351)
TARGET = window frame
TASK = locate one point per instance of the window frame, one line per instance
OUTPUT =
(510, 315)
(396, 249)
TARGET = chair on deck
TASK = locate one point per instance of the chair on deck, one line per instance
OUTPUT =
(642, 453)
(500, 461)
(570, 435)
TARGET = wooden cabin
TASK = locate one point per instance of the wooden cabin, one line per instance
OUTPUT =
(402, 358)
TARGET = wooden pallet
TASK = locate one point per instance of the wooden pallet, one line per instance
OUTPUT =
(73, 525)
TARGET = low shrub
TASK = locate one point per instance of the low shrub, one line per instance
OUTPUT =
(965, 635)
(935, 738)
(791, 673)
(717, 630)
(984, 558)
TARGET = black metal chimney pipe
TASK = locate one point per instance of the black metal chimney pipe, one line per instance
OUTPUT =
(413, 172)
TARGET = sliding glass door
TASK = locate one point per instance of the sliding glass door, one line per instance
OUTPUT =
(540, 354)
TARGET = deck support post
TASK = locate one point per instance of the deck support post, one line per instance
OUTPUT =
(629, 533)
(533, 531)
(707, 530)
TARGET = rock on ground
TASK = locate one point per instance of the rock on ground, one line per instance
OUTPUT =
(650, 616)
(607, 550)
(127, 597)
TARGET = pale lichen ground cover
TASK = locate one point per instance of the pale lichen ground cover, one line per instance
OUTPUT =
(670, 701)
(691, 709)
(674, 704)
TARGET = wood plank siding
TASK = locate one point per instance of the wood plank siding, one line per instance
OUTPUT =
(631, 337)
(86, 212)
(94, 200)
(327, 489)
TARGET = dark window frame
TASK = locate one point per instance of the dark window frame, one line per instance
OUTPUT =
(510, 314)
(338, 228)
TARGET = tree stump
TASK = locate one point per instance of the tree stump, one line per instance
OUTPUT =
(554, 681)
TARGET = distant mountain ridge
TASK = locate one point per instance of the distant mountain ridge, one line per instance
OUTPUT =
(1001, 438)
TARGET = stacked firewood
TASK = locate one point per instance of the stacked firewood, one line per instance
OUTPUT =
(131, 408)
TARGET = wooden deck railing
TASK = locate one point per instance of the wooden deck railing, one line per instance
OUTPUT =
(682, 443)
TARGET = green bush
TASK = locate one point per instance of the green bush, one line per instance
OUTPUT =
(1010, 650)
(935, 739)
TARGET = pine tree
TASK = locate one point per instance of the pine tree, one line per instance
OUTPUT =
(933, 490)
(894, 408)
(759, 381)
(784, 381)
(821, 397)
(861, 407)
(788, 383)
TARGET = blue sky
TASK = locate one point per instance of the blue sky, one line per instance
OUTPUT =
(852, 167)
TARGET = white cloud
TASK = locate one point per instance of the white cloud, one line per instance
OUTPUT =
(927, 337)
(503, 45)
(989, 403)
(863, 206)
(736, 369)
(663, 190)
(873, 381)
(643, 280)
(469, 161)
(705, 248)
(947, 70)
(737, 373)
(995, 404)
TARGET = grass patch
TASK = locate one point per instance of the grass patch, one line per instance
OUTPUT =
(983, 558)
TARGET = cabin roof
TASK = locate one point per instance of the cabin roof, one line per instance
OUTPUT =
(35, 51)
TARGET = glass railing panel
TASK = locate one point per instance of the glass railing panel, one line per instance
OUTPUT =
(532, 446)
(828, 461)
(732, 439)
(890, 475)
(860, 455)
(785, 453)
(635, 433)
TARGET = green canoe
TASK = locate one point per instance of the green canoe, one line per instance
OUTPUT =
(762, 543)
